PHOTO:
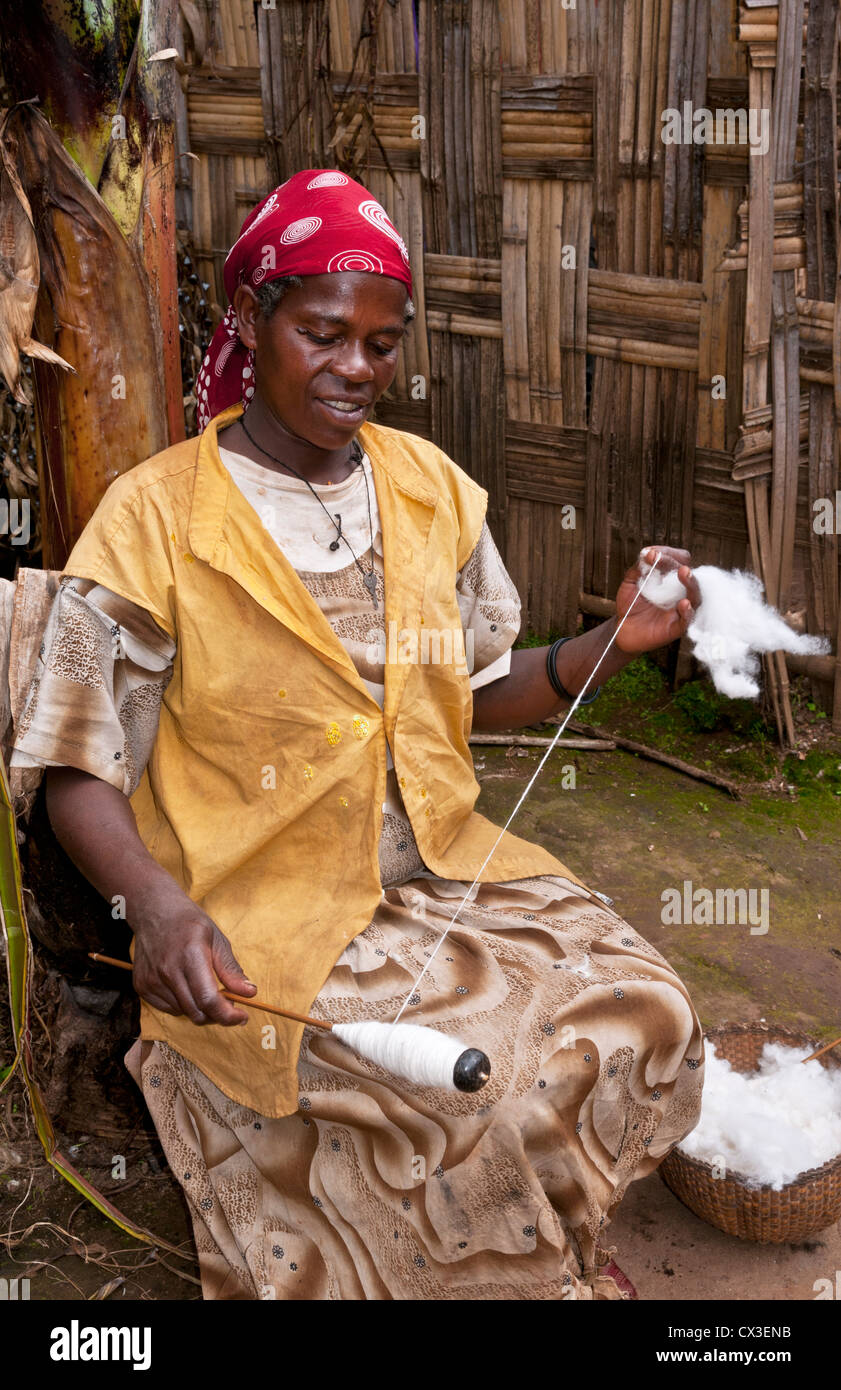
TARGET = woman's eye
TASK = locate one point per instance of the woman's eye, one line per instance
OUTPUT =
(378, 348)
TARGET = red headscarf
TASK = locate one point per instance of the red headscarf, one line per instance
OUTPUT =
(318, 220)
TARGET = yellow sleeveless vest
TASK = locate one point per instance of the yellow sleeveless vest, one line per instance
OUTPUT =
(263, 794)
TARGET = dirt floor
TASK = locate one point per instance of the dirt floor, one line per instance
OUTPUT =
(631, 829)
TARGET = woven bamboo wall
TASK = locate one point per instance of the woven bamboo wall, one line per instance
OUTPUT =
(581, 286)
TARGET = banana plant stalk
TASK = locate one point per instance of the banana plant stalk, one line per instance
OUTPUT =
(98, 169)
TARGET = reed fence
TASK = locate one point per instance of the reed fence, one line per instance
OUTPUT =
(645, 332)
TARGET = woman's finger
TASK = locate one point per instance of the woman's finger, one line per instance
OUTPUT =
(203, 986)
(189, 1003)
(690, 584)
(228, 968)
(162, 999)
(154, 988)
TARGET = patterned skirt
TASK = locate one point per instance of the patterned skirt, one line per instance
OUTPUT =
(380, 1189)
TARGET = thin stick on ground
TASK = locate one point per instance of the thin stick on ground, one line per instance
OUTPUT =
(654, 755)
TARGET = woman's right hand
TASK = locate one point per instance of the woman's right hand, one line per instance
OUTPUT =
(180, 958)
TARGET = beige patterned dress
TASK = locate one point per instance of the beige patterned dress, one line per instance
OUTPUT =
(376, 1188)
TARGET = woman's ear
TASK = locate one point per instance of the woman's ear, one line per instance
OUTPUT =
(247, 308)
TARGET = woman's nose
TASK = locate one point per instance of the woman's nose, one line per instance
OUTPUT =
(352, 362)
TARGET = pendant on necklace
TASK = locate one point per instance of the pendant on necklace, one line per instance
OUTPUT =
(370, 582)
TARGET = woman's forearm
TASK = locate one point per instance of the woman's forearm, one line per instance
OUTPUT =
(181, 954)
(526, 695)
(95, 826)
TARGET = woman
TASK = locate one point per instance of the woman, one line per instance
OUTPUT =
(257, 685)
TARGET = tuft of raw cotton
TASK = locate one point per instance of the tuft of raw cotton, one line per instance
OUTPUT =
(731, 625)
(770, 1125)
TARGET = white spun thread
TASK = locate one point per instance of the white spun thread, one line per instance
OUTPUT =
(408, 1050)
(570, 712)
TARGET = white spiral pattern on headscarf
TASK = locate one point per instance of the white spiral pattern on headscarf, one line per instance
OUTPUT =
(300, 230)
(329, 180)
(376, 214)
(224, 353)
(355, 260)
(268, 206)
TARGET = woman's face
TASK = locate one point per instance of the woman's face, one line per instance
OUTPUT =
(329, 344)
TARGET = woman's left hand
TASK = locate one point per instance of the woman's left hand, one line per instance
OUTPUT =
(650, 627)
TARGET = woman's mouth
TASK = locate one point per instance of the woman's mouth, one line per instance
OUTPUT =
(348, 412)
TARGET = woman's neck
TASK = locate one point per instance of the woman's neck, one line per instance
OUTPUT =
(264, 439)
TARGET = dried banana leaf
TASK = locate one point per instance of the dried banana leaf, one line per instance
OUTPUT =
(19, 274)
(94, 311)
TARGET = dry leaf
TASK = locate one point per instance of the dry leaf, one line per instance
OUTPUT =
(20, 274)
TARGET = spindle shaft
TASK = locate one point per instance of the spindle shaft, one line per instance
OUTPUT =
(414, 1052)
(229, 994)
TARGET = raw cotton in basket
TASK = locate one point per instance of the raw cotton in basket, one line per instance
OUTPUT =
(731, 625)
(771, 1124)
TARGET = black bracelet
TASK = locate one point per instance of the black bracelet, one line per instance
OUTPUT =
(553, 675)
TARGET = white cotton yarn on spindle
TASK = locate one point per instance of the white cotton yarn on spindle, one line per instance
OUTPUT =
(408, 1050)
(731, 625)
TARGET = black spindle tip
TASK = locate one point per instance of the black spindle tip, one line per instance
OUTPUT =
(471, 1071)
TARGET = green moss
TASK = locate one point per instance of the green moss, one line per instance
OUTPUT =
(700, 705)
(818, 774)
(713, 974)
(539, 639)
(642, 680)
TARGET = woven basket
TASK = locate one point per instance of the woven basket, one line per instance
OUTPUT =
(809, 1204)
